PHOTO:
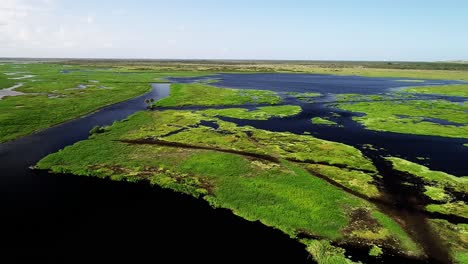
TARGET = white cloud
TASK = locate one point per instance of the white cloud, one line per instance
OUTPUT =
(90, 19)
(32, 27)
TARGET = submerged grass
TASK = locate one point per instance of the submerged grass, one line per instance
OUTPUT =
(439, 186)
(398, 232)
(455, 237)
(437, 178)
(306, 97)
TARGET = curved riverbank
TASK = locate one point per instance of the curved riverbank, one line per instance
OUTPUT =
(53, 217)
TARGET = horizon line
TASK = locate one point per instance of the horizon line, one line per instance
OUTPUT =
(226, 60)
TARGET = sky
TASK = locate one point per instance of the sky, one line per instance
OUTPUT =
(402, 30)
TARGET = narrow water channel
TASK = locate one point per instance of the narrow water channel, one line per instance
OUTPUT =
(70, 219)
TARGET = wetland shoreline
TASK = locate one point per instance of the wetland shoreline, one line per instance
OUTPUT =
(291, 125)
(59, 213)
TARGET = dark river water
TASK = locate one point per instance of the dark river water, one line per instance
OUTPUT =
(321, 83)
(50, 218)
(402, 200)
(71, 219)
(439, 153)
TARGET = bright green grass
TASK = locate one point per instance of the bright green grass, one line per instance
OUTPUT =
(397, 231)
(285, 145)
(359, 97)
(437, 194)
(261, 113)
(323, 121)
(282, 195)
(22, 115)
(51, 97)
(5, 82)
(287, 198)
(357, 181)
(375, 251)
(452, 90)
(324, 253)
(456, 208)
(205, 95)
(408, 117)
(437, 178)
(394, 73)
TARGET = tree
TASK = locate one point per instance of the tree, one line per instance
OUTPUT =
(149, 103)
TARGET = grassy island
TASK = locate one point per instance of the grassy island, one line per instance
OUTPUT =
(433, 117)
(259, 175)
(269, 156)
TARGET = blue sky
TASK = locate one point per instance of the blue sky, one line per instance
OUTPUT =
(297, 29)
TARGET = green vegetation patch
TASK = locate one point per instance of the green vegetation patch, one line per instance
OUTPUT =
(357, 181)
(439, 186)
(360, 97)
(375, 251)
(324, 253)
(59, 93)
(437, 194)
(396, 231)
(323, 121)
(412, 117)
(5, 82)
(300, 148)
(278, 193)
(284, 190)
(451, 90)
(410, 70)
(197, 94)
(454, 237)
(306, 97)
(261, 113)
(437, 178)
(456, 208)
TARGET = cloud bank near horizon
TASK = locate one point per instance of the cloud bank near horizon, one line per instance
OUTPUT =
(304, 30)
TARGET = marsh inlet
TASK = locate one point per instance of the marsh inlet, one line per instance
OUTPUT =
(53, 217)
(11, 91)
(445, 154)
(72, 219)
(321, 83)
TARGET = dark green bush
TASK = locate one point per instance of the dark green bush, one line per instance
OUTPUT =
(97, 130)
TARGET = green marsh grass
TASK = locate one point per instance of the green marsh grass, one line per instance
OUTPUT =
(281, 194)
(409, 117)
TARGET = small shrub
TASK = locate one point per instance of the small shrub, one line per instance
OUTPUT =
(375, 251)
(97, 130)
